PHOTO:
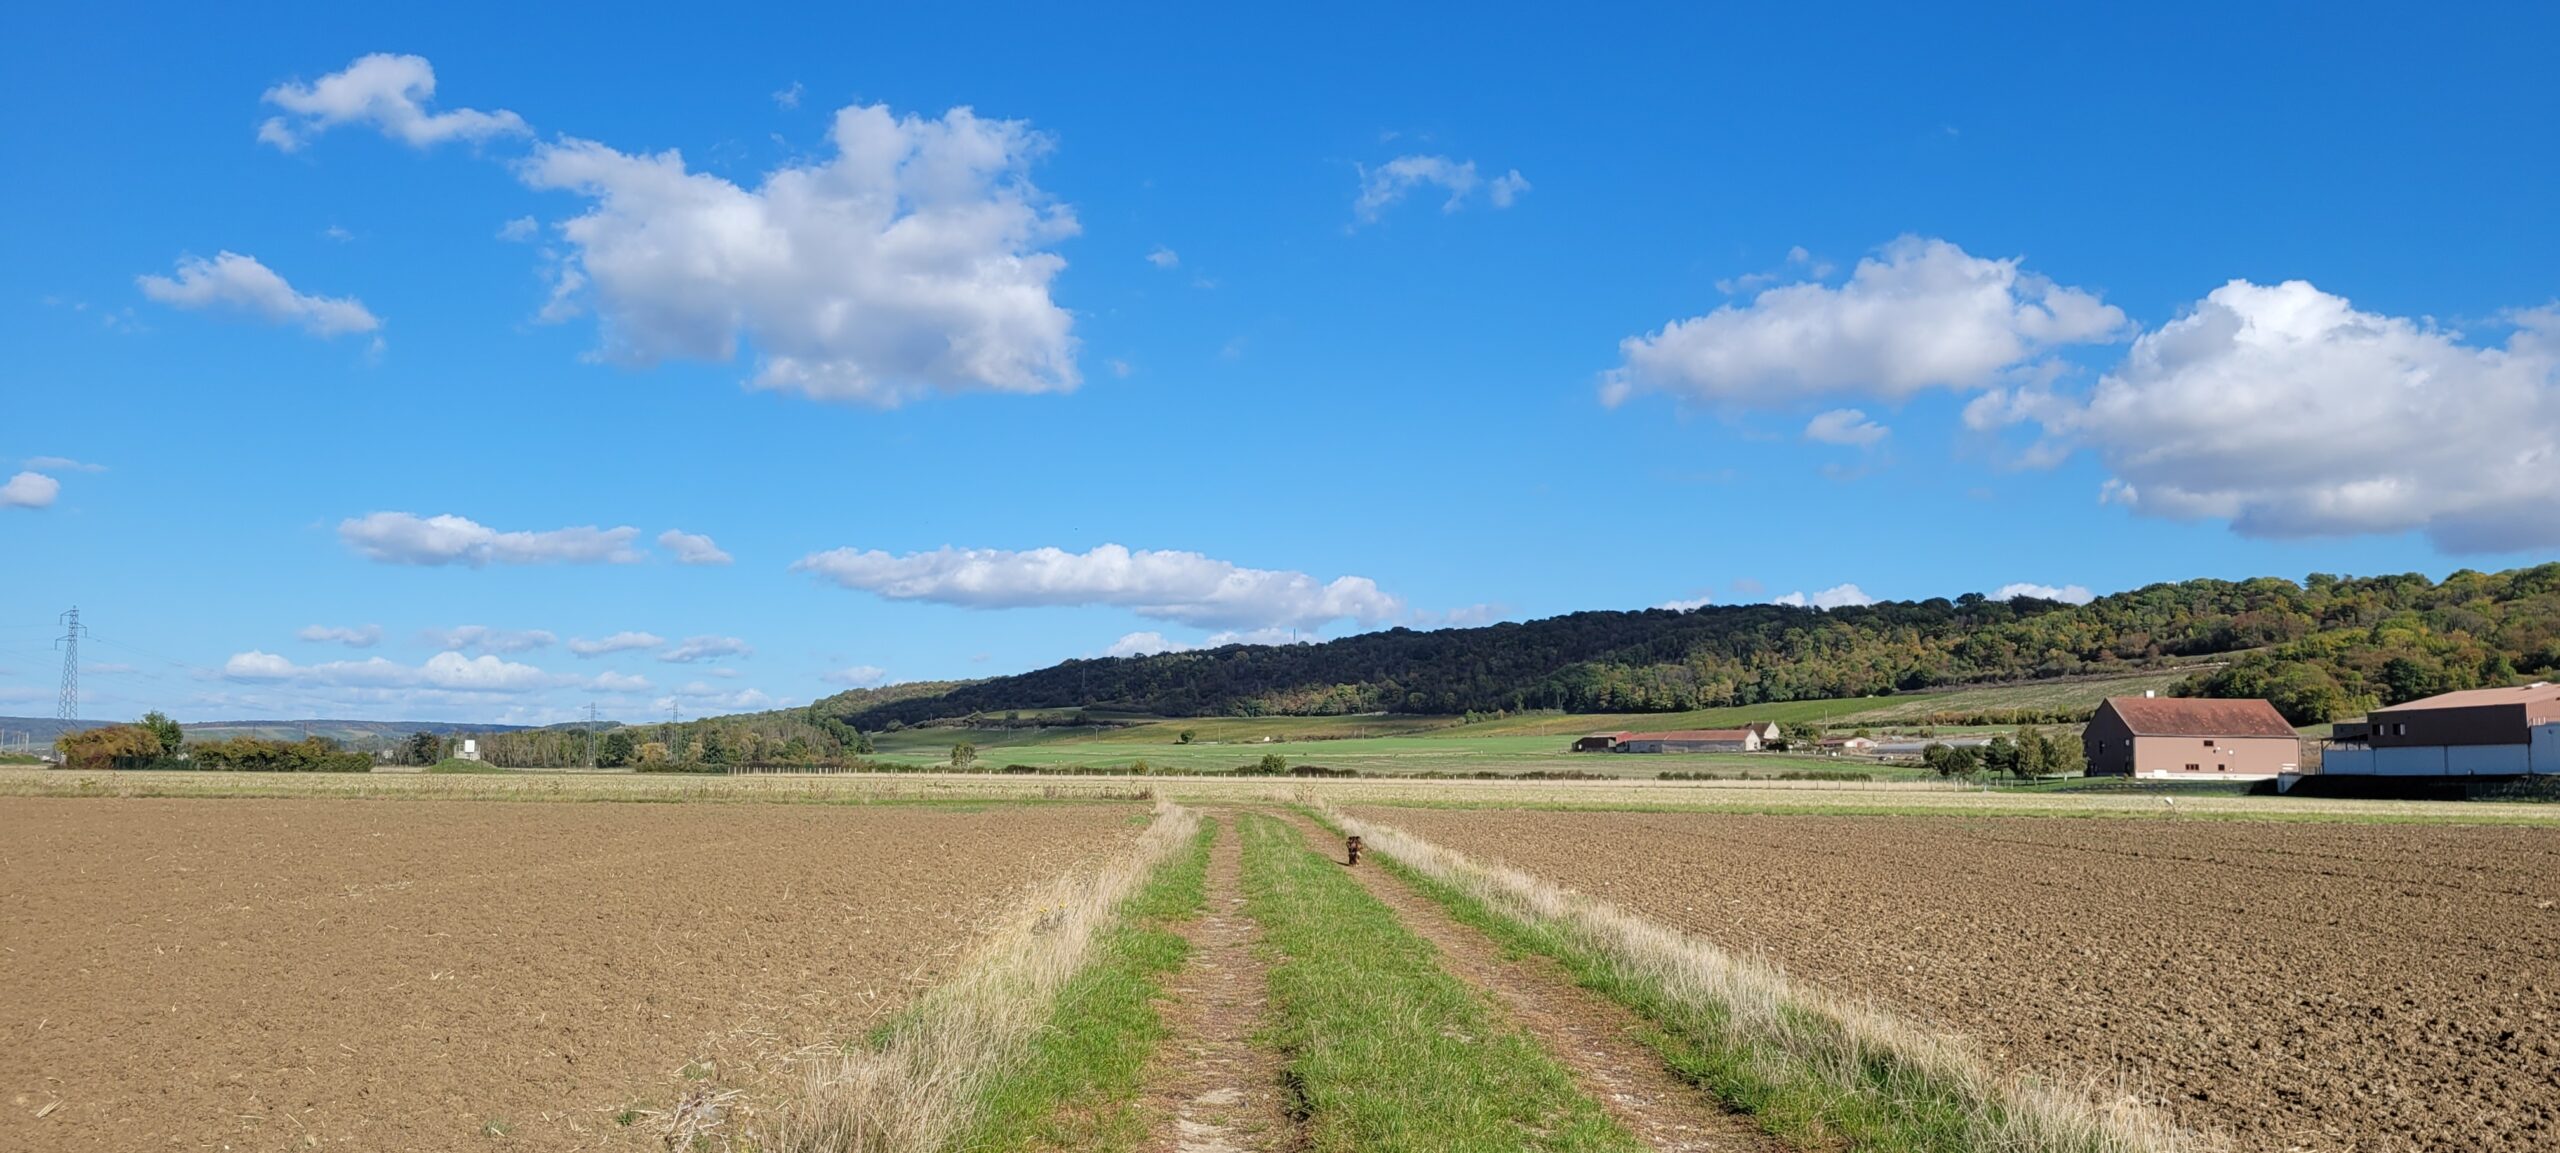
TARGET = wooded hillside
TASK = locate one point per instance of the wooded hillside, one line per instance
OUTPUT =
(2327, 646)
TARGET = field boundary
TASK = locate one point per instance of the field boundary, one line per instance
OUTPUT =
(1813, 1069)
(922, 1081)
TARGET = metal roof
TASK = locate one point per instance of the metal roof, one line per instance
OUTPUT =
(2199, 717)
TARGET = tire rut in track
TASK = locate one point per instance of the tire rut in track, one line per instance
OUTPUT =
(1212, 1089)
(1598, 1040)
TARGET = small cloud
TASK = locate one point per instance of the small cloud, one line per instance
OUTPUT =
(357, 637)
(692, 548)
(1748, 587)
(693, 649)
(855, 676)
(1382, 187)
(337, 233)
(63, 464)
(519, 230)
(1119, 368)
(487, 639)
(1700, 601)
(1146, 643)
(236, 283)
(1837, 596)
(1845, 426)
(789, 97)
(1164, 258)
(29, 490)
(617, 643)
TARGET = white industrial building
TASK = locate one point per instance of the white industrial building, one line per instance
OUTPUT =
(2509, 732)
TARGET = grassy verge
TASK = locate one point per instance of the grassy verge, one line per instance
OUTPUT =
(1814, 1070)
(1076, 1087)
(1386, 1052)
(978, 1050)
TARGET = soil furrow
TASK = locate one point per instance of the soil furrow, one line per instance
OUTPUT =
(1212, 1089)
(1598, 1040)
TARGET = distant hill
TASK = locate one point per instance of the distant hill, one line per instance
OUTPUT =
(2323, 647)
(42, 730)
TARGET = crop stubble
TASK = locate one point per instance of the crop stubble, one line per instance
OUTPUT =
(294, 974)
(2311, 987)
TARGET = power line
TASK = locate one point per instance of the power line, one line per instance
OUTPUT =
(68, 707)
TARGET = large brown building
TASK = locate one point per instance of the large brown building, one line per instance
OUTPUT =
(2190, 738)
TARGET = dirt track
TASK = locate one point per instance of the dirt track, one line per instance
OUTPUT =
(2311, 987)
(293, 974)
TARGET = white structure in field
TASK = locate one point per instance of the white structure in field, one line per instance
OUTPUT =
(470, 750)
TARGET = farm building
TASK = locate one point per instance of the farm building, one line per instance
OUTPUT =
(1598, 743)
(1861, 746)
(1767, 731)
(1744, 740)
(2183, 737)
(2507, 732)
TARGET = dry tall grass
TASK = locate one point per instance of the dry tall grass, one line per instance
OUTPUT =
(1796, 1031)
(915, 1091)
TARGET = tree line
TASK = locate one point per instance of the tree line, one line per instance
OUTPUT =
(156, 742)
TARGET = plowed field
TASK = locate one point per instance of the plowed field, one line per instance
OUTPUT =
(385, 975)
(2297, 986)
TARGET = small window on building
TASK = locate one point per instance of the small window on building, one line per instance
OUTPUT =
(2208, 742)
(2195, 768)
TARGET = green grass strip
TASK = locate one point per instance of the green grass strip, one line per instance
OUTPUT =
(1385, 1051)
(1869, 1102)
(1077, 1085)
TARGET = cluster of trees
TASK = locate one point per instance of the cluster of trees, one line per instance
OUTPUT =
(2322, 647)
(253, 755)
(153, 742)
(156, 742)
(2033, 754)
(2394, 639)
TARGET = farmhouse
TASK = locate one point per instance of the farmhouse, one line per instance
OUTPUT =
(2176, 737)
(1744, 740)
(2507, 732)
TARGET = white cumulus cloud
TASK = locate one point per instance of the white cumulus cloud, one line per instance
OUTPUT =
(1185, 587)
(691, 548)
(406, 538)
(1688, 605)
(237, 283)
(354, 637)
(855, 676)
(693, 649)
(622, 642)
(910, 262)
(2288, 412)
(1382, 187)
(619, 683)
(1837, 596)
(1148, 643)
(2067, 594)
(1164, 257)
(388, 92)
(1922, 314)
(1847, 426)
(450, 672)
(29, 490)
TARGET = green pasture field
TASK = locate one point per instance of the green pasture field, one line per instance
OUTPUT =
(1527, 742)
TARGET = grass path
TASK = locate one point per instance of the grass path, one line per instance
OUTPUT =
(1211, 1088)
(1385, 1051)
(1601, 1043)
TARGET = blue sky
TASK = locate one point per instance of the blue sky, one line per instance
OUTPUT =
(1210, 324)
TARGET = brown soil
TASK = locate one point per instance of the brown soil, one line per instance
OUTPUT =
(1211, 1089)
(1599, 1041)
(300, 974)
(2300, 986)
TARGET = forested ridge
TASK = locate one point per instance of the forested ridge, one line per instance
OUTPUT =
(2323, 647)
